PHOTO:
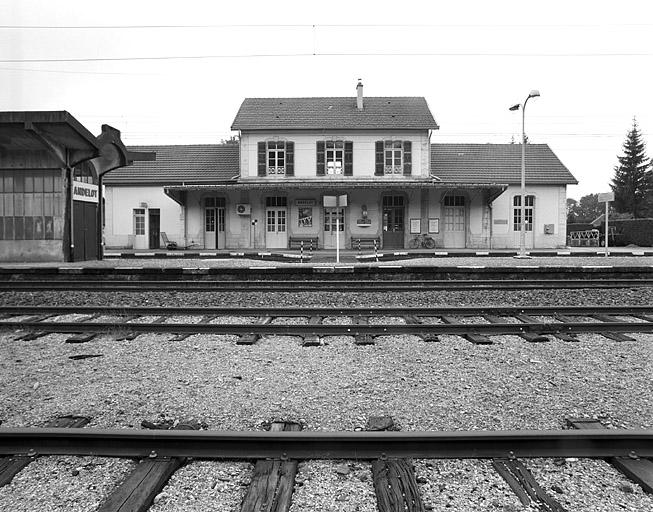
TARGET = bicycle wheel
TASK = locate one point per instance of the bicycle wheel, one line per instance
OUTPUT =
(429, 243)
(413, 243)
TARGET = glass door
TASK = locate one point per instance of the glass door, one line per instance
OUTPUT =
(334, 226)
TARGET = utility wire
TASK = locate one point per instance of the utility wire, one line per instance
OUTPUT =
(339, 54)
(332, 25)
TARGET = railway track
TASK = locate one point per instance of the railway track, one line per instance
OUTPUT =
(318, 285)
(475, 324)
(277, 452)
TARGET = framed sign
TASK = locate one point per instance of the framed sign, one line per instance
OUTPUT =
(305, 217)
(415, 226)
(434, 225)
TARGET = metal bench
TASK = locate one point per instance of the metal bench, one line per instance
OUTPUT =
(365, 242)
(295, 242)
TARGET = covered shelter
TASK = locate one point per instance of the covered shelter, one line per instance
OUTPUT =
(51, 169)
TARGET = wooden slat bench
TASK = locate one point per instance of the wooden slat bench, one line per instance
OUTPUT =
(294, 242)
(365, 242)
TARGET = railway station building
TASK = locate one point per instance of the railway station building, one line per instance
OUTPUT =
(346, 170)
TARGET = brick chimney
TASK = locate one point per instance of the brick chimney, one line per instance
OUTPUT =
(359, 95)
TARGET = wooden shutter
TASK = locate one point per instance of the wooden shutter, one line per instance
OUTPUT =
(378, 168)
(349, 158)
(290, 158)
(262, 157)
(320, 158)
(408, 158)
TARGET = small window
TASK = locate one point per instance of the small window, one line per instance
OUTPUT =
(272, 201)
(457, 200)
(139, 221)
(528, 212)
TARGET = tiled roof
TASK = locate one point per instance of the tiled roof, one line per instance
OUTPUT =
(497, 163)
(452, 163)
(404, 113)
(199, 163)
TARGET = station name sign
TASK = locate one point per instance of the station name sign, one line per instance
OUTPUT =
(85, 192)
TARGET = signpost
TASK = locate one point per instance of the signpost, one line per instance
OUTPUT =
(606, 197)
(336, 202)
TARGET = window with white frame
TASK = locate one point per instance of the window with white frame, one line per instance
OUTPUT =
(276, 157)
(335, 156)
(393, 157)
(139, 221)
(529, 206)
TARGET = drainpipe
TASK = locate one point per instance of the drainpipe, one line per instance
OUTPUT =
(489, 205)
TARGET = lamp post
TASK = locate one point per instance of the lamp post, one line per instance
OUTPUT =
(522, 234)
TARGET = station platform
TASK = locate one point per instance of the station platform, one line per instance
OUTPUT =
(355, 256)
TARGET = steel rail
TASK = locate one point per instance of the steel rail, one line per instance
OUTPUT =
(326, 445)
(328, 285)
(334, 330)
(325, 311)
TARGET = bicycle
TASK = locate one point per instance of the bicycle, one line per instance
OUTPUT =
(422, 240)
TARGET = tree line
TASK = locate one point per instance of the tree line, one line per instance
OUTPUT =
(632, 185)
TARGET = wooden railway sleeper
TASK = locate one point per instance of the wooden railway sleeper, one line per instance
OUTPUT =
(638, 470)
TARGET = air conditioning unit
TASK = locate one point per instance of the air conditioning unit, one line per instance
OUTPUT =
(243, 209)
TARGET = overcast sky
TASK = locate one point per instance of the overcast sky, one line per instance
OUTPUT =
(171, 72)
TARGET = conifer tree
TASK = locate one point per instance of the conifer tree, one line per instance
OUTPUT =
(632, 183)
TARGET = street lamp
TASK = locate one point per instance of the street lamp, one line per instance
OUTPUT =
(522, 235)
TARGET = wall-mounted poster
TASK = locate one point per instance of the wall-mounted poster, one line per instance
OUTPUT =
(415, 226)
(434, 225)
(305, 217)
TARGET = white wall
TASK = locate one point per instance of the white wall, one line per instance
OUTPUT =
(550, 208)
(119, 215)
(363, 146)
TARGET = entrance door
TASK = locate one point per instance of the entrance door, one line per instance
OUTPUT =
(334, 226)
(84, 231)
(214, 223)
(276, 230)
(393, 222)
(155, 227)
(454, 221)
(275, 235)
(516, 220)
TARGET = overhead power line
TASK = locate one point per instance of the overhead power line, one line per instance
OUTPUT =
(337, 54)
(334, 25)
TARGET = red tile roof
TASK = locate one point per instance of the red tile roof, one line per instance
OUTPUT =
(497, 163)
(197, 163)
(399, 113)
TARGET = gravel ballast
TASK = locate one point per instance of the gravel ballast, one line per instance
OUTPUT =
(446, 385)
